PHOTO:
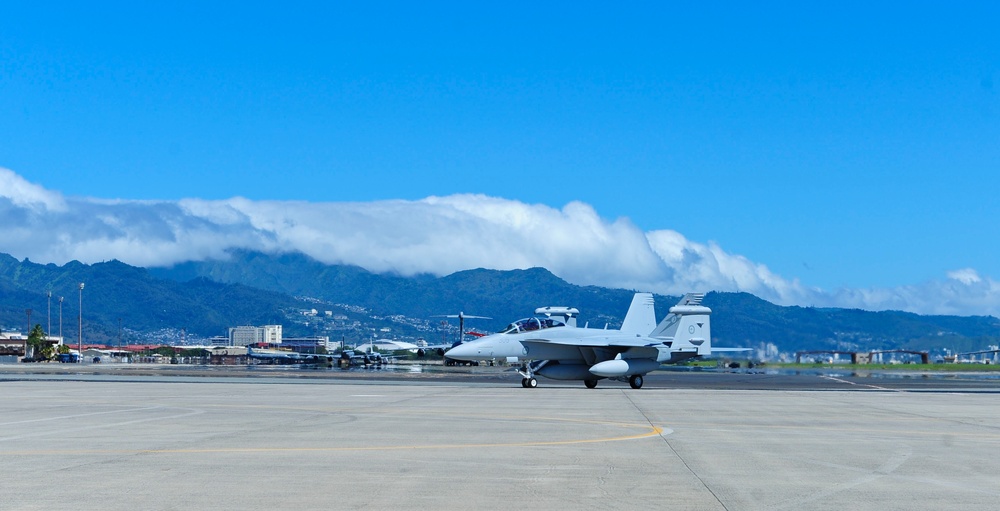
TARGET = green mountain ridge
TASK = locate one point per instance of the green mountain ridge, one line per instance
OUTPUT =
(207, 297)
(114, 290)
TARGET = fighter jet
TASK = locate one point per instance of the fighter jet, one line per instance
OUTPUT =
(551, 345)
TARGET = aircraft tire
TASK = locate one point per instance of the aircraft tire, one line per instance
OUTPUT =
(635, 381)
(530, 383)
(524, 382)
(590, 383)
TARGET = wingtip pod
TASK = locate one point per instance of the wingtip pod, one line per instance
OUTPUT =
(684, 310)
(568, 315)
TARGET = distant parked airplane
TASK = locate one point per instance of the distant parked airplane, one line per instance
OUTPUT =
(290, 357)
(440, 348)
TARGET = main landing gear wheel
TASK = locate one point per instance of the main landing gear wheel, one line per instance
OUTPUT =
(590, 383)
(635, 381)
(529, 383)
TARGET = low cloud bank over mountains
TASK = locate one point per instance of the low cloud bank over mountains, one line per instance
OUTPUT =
(437, 235)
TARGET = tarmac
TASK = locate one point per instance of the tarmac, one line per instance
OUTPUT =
(77, 438)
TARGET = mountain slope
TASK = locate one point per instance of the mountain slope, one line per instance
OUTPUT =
(144, 303)
(206, 298)
(738, 318)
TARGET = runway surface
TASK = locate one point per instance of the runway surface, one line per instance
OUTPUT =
(279, 439)
(847, 378)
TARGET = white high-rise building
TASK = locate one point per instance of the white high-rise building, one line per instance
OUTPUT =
(272, 334)
(246, 335)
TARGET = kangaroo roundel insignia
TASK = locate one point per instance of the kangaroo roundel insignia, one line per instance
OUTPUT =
(691, 329)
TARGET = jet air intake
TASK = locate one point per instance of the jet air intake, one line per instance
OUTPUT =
(626, 367)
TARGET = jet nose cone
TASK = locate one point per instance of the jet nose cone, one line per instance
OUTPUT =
(460, 352)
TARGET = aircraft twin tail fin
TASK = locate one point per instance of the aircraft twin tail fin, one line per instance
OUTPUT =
(687, 325)
(640, 319)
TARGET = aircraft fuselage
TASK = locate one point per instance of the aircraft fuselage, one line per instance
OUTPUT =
(517, 347)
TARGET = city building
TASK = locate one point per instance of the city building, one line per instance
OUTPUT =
(247, 335)
(219, 341)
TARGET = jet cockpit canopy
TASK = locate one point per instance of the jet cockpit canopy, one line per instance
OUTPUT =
(531, 324)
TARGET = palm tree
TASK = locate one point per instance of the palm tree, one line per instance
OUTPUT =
(40, 348)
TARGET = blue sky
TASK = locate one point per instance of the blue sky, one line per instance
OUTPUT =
(854, 146)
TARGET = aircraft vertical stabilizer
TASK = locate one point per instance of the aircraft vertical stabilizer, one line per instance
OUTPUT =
(640, 318)
(688, 325)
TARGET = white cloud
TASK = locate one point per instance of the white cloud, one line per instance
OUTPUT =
(962, 293)
(701, 266)
(23, 194)
(437, 235)
(967, 276)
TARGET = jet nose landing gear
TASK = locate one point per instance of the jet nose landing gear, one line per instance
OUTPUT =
(527, 373)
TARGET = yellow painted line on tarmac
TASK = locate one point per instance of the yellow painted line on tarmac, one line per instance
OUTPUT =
(653, 431)
(389, 411)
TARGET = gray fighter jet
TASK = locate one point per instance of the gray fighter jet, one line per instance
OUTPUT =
(551, 345)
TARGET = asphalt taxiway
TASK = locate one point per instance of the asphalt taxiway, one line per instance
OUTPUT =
(846, 378)
(283, 439)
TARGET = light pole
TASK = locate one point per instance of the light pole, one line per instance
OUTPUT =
(80, 319)
(48, 332)
(60, 321)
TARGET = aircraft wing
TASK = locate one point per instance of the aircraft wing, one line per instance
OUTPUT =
(435, 346)
(602, 348)
(610, 341)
